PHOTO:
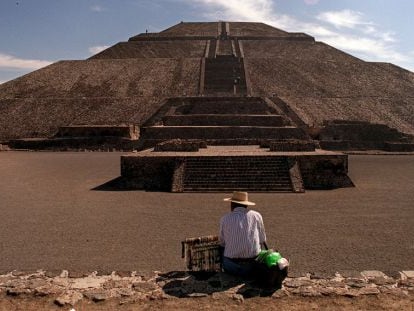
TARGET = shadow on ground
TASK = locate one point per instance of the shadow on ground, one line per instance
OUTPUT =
(116, 184)
(130, 184)
(183, 284)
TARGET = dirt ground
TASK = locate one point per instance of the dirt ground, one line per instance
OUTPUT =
(379, 303)
(52, 219)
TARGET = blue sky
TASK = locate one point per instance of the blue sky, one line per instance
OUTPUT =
(35, 33)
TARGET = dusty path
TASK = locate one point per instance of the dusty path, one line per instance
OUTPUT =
(51, 219)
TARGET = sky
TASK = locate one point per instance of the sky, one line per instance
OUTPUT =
(36, 33)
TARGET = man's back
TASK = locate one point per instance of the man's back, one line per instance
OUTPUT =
(241, 233)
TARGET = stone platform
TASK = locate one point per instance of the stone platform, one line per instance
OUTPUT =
(84, 137)
(231, 168)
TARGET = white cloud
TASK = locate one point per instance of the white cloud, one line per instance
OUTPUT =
(311, 2)
(347, 30)
(12, 62)
(97, 8)
(242, 10)
(345, 19)
(371, 49)
(97, 49)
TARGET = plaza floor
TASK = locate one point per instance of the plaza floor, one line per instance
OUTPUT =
(51, 218)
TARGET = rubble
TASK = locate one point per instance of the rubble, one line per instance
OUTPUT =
(130, 287)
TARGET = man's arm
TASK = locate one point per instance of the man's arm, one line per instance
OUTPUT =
(262, 233)
(221, 234)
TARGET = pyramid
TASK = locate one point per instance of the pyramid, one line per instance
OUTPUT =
(128, 83)
(213, 107)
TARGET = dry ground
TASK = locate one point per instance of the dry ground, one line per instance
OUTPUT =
(52, 219)
(362, 303)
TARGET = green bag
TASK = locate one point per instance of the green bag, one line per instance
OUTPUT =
(269, 257)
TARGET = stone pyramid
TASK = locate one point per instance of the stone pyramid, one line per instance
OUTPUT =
(314, 84)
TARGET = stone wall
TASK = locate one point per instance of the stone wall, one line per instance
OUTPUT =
(154, 49)
(221, 119)
(359, 131)
(156, 173)
(221, 105)
(124, 131)
(292, 145)
(133, 290)
(148, 173)
(398, 147)
(357, 135)
(192, 29)
(222, 132)
(324, 171)
(75, 144)
(180, 145)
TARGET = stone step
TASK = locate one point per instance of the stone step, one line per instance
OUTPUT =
(219, 87)
(235, 175)
(247, 178)
(247, 160)
(221, 105)
(215, 169)
(220, 73)
(232, 173)
(150, 143)
(222, 132)
(230, 189)
(238, 184)
(226, 169)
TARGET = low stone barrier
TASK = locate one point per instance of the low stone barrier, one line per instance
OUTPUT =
(292, 145)
(180, 145)
(222, 132)
(324, 172)
(4, 147)
(75, 144)
(121, 131)
(68, 288)
(224, 120)
(358, 135)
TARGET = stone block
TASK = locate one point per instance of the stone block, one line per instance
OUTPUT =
(292, 145)
(372, 274)
(408, 274)
(68, 298)
(369, 291)
(97, 295)
(179, 145)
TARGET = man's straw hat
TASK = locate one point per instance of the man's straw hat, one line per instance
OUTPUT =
(241, 198)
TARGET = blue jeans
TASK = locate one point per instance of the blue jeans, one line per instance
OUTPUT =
(242, 269)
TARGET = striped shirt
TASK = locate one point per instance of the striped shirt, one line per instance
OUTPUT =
(241, 233)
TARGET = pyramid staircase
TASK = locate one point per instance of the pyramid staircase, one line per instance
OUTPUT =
(219, 121)
(225, 116)
(224, 74)
(226, 121)
(243, 173)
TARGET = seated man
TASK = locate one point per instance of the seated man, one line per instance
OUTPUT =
(241, 234)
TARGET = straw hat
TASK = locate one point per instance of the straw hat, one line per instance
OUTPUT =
(241, 198)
